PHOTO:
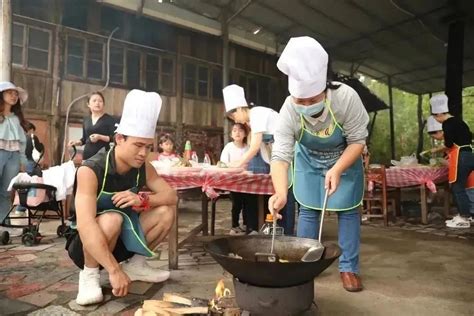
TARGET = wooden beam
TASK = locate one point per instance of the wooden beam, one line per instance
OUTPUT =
(239, 11)
(316, 33)
(386, 28)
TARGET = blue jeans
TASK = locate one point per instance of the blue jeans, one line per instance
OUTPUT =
(9, 168)
(349, 234)
(288, 215)
(465, 166)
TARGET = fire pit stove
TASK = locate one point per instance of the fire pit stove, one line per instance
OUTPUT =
(283, 301)
(272, 288)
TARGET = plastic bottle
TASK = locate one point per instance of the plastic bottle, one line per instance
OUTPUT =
(267, 228)
(194, 157)
(187, 150)
(207, 160)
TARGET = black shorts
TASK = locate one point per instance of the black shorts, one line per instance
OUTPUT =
(74, 249)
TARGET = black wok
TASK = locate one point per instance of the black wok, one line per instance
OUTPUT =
(270, 274)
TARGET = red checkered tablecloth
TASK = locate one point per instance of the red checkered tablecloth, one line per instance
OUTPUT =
(209, 181)
(400, 177)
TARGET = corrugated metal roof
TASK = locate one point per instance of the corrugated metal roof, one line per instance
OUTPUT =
(404, 39)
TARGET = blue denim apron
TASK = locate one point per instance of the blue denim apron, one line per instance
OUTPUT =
(257, 165)
(132, 234)
(315, 154)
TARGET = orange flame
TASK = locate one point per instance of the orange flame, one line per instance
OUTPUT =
(220, 291)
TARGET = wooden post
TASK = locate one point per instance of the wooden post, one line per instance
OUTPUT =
(261, 211)
(56, 136)
(392, 125)
(5, 40)
(204, 214)
(225, 64)
(447, 204)
(424, 206)
(371, 128)
(421, 126)
(173, 240)
(179, 93)
(454, 67)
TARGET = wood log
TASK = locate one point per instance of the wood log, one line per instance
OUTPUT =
(153, 310)
(188, 310)
(177, 298)
(150, 304)
(185, 300)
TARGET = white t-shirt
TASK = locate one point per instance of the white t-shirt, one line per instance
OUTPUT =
(263, 120)
(232, 153)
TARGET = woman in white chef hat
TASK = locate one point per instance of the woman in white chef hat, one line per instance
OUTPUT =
(321, 130)
(435, 130)
(262, 122)
(457, 142)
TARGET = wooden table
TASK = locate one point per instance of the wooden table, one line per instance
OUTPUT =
(210, 181)
(423, 177)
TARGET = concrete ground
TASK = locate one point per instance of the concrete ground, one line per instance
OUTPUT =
(406, 270)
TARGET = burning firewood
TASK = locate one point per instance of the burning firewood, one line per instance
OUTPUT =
(223, 303)
(173, 304)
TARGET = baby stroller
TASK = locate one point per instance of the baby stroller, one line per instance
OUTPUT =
(39, 201)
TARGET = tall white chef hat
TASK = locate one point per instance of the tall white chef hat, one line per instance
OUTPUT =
(439, 104)
(433, 125)
(140, 114)
(305, 62)
(234, 97)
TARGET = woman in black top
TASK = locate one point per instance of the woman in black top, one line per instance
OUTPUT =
(97, 129)
(457, 141)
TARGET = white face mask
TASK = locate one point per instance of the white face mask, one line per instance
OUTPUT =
(309, 110)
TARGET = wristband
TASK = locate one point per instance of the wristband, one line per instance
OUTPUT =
(144, 201)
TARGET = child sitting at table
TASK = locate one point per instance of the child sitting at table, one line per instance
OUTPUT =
(234, 151)
(166, 148)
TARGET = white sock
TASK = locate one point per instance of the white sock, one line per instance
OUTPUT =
(137, 259)
(91, 271)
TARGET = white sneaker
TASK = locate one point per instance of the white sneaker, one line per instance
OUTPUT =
(471, 219)
(90, 291)
(236, 231)
(458, 222)
(455, 218)
(138, 270)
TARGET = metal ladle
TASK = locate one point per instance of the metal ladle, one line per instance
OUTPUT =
(316, 252)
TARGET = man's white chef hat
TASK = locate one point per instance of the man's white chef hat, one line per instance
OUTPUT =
(140, 114)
